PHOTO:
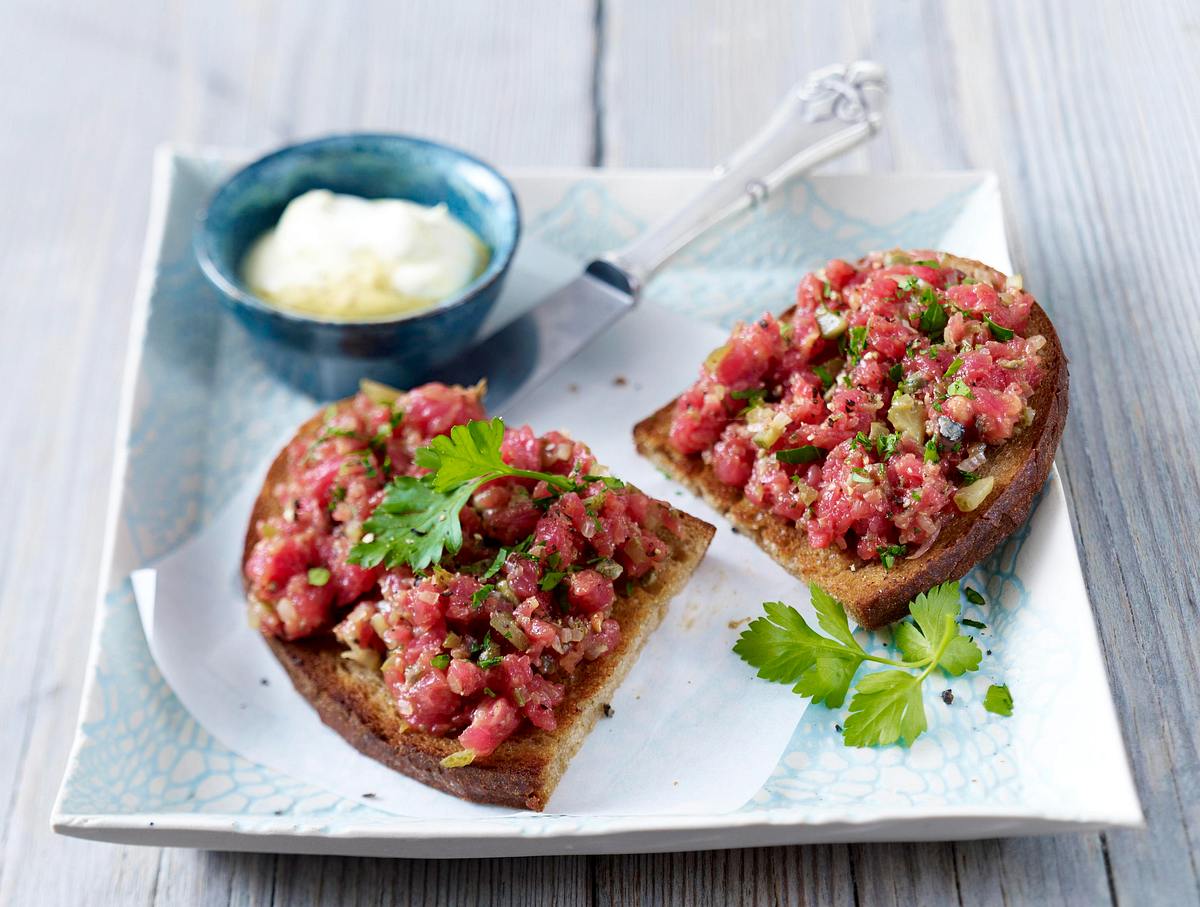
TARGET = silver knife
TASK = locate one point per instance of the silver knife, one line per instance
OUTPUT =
(830, 111)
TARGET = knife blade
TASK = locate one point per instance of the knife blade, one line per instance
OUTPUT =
(830, 111)
(521, 355)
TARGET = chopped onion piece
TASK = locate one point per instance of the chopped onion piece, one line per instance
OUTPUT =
(506, 626)
(976, 458)
(970, 497)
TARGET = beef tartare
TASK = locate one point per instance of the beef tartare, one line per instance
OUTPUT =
(487, 638)
(866, 414)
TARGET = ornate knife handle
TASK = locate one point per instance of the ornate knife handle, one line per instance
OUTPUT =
(827, 113)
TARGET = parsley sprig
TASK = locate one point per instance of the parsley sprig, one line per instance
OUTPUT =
(887, 706)
(417, 522)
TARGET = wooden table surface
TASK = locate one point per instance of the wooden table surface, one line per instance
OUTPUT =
(1089, 112)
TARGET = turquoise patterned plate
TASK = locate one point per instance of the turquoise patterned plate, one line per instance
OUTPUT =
(143, 771)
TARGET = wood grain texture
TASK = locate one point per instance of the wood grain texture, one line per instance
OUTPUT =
(1087, 111)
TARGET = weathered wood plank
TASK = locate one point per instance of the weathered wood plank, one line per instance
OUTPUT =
(780, 875)
(89, 91)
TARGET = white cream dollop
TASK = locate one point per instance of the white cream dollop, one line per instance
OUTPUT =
(351, 258)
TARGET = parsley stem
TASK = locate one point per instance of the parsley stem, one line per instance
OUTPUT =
(879, 659)
(948, 633)
(560, 482)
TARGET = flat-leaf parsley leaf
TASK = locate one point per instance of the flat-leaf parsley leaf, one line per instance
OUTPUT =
(887, 705)
(417, 521)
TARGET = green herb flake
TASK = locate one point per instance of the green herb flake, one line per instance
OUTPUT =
(959, 388)
(928, 263)
(998, 700)
(973, 597)
(753, 396)
(933, 318)
(440, 661)
(953, 367)
(824, 374)
(931, 451)
(889, 553)
(318, 576)
(896, 372)
(479, 596)
(885, 445)
(858, 339)
(1000, 333)
(489, 654)
(806, 454)
(551, 580)
(977, 624)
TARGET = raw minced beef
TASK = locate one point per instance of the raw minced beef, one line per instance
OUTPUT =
(863, 413)
(486, 640)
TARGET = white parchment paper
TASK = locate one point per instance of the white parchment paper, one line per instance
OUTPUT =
(693, 731)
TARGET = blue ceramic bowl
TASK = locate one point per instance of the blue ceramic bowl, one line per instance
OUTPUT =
(327, 358)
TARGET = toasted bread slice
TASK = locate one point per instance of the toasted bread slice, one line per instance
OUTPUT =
(872, 595)
(523, 770)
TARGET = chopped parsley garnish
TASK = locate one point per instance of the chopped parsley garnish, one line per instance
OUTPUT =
(824, 374)
(1000, 333)
(806, 454)
(887, 706)
(934, 318)
(896, 372)
(927, 263)
(417, 521)
(973, 597)
(753, 396)
(479, 596)
(998, 700)
(889, 553)
(336, 497)
(861, 440)
(318, 576)
(969, 281)
(858, 340)
(489, 655)
(969, 478)
(958, 388)
(440, 661)
(977, 624)
(330, 433)
(908, 282)
(496, 564)
(552, 579)
(885, 445)
(953, 367)
(931, 451)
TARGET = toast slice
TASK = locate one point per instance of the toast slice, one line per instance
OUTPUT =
(523, 771)
(872, 595)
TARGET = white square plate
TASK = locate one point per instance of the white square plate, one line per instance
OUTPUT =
(143, 771)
